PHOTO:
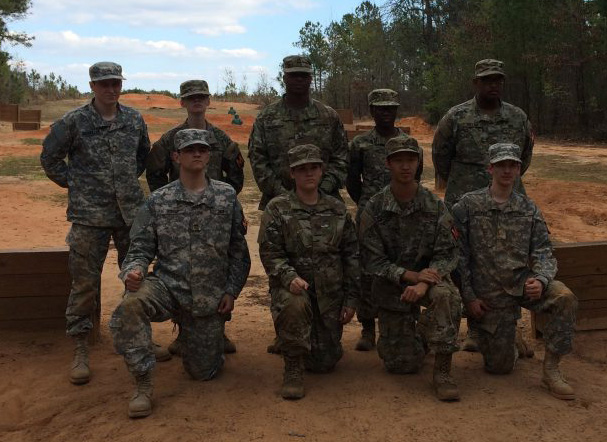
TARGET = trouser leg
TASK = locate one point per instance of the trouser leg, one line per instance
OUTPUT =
(292, 315)
(202, 349)
(498, 348)
(325, 340)
(442, 318)
(398, 345)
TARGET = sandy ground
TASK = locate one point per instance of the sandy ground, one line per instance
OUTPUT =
(357, 402)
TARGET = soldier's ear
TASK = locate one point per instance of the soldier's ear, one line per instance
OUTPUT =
(175, 156)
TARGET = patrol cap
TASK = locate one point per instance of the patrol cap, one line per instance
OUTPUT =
(487, 67)
(187, 137)
(504, 151)
(193, 87)
(402, 143)
(105, 70)
(304, 154)
(383, 97)
(296, 63)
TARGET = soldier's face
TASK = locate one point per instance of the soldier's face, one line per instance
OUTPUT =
(196, 103)
(384, 116)
(307, 176)
(192, 158)
(490, 87)
(402, 166)
(297, 83)
(107, 92)
(504, 173)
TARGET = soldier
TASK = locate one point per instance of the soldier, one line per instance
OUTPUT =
(293, 120)
(506, 263)
(307, 245)
(463, 136)
(106, 145)
(195, 228)
(367, 175)
(408, 247)
(226, 163)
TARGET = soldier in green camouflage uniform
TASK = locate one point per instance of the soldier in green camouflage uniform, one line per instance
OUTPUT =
(106, 145)
(367, 175)
(506, 263)
(407, 245)
(226, 162)
(195, 229)
(307, 244)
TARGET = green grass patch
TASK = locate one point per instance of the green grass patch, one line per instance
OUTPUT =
(58, 199)
(28, 168)
(558, 167)
(32, 141)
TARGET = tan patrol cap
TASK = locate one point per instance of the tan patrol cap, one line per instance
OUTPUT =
(383, 97)
(489, 66)
(402, 143)
(304, 154)
(296, 63)
(193, 87)
(106, 70)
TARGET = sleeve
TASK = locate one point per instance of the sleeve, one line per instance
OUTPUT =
(355, 166)
(143, 149)
(543, 263)
(351, 264)
(527, 149)
(144, 242)
(158, 163)
(239, 260)
(461, 221)
(55, 148)
(232, 164)
(445, 253)
(335, 173)
(267, 181)
(443, 147)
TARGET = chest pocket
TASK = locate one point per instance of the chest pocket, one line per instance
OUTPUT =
(326, 231)
(173, 231)
(514, 230)
(482, 230)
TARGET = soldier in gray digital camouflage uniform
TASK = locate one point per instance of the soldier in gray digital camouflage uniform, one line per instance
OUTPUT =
(106, 145)
(293, 120)
(367, 175)
(462, 139)
(226, 163)
(195, 229)
(308, 247)
(407, 245)
(506, 263)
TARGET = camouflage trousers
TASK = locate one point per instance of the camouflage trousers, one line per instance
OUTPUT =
(202, 337)
(497, 332)
(367, 308)
(88, 250)
(401, 345)
(303, 330)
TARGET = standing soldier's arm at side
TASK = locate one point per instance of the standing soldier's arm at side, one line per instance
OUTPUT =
(158, 164)
(527, 149)
(337, 167)
(355, 170)
(143, 149)
(55, 148)
(232, 162)
(267, 180)
(443, 147)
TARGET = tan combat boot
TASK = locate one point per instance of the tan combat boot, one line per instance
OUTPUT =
(141, 402)
(228, 345)
(80, 372)
(553, 379)
(292, 382)
(471, 341)
(445, 387)
(524, 348)
(367, 338)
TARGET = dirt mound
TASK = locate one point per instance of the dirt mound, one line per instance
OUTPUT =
(147, 101)
(153, 119)
(418, 126)
(239, 134)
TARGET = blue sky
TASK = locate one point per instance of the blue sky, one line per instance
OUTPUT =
(161, 43)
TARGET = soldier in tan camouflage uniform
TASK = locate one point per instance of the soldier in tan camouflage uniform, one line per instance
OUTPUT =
(367, 175)
(106, 145)
(506, 263)
(226, 163)
(195, 229)
(307, 244)
(407, 245)
(293, 120)
(462, 139)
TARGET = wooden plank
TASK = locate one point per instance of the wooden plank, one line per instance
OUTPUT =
(581, 258)
(365, 126)
(33, 261)
(30, 115)
(591, 304)
(33, 308)
(9, 112)
(345, 115)
(26, 126)
(35, 285)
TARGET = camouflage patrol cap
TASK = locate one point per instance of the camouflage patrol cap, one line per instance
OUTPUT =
(488, 67)
(296, 63)
(402, 144)
(383, 97)
(304, 154)
(105, 70)
(504, 151)
(193, 87)
(188, 137)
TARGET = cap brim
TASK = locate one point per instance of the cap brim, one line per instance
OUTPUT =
(306, 161)
(189, 94)
(290, 70)
(190, 143)
(385, 103)
(405, 149)
(504, 158)
(487, 73)
(108, 77)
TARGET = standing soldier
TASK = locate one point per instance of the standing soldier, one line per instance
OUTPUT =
(106, 145)
(407, 246)
(367, 175)
(226, 163)
(307, 244)
(463, 136)
(506, 263)
(195, 229)
(293, 120)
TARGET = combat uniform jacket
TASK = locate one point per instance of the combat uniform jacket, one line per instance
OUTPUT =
(199, 242)
(317, 243)
(460, 150)
(397, 237)
(226, 162)
(105, 158)
(278, 128)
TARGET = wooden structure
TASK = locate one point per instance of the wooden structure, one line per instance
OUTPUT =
(9, 112)
(345, 115)
(583, 268)
(22, 119)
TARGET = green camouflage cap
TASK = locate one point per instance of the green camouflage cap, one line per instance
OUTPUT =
(193, 87)
(504, 151)
(304, 154)
(296, 63)
(402, 144)
(187, 137)
(105, 70)
(383, 97)
(488, 67)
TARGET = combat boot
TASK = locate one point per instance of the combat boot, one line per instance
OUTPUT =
(553, 379)
(367, 338)
(80, 372)
(141, 402)
(445, 387)
(292, 382)
(228, 345)
(524, 348)
(160, 353)
(471, 341)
